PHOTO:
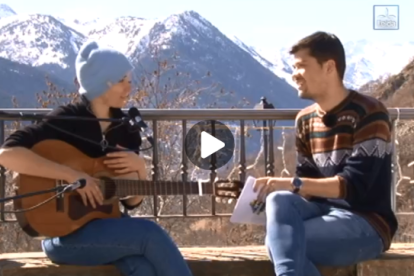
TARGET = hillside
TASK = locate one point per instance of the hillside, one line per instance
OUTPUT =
(25, 81)
(395, 90)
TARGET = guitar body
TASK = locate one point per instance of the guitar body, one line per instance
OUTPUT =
(66, 214)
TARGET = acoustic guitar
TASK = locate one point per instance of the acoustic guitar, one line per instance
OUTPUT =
(67, 213)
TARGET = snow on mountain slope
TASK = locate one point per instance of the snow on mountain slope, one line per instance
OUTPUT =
(188, 26)
(6, 11)
(123, 34)
(366, 60)
(83, 26)
(41, 41)
(50, 45)
(133, 34)
(279, 68)
(38, 39)
(369, 60)
(203, 50)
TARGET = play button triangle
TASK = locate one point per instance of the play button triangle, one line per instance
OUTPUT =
(210, 144)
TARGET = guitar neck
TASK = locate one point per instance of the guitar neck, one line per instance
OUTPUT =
(148, 187)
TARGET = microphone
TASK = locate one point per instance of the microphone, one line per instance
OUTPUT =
(137, 124)
(81, 183)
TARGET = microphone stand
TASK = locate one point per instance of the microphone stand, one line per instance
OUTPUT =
(59, 191)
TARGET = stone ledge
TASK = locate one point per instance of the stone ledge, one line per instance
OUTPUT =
(212, 261)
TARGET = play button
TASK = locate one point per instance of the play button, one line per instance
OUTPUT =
(209, 144)
(209, 141)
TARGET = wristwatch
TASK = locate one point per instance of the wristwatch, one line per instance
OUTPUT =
(297, 184)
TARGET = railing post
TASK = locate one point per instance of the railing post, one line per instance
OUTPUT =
(213, 168)
(242, 164)
(184, 167)
(2, 176)
(154, 167)
(265, 146)
(270, 169)
(394, 168)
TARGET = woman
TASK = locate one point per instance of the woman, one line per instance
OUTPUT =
(135, 246)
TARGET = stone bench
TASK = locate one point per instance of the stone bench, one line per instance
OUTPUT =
(214, 261)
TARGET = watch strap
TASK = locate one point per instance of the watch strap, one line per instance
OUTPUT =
(296, 184)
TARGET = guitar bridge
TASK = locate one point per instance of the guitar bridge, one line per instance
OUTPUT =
(60, 204)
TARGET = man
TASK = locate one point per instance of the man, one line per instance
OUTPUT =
(135, 246)
(337, 210)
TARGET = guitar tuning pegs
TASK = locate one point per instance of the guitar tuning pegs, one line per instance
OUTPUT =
(224, 200)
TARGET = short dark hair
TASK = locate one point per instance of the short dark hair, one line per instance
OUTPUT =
(323, 47)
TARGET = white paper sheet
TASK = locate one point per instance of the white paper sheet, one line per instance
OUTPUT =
(243, 212)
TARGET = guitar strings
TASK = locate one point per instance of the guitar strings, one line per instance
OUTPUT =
(150, 187)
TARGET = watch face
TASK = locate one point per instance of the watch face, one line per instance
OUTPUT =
(297, 182)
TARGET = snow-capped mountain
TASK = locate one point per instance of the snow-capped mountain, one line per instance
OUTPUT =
(83, 26)
(369, 60)
(279, 67)
(202, 49)
(50, 44)
(124, 34)
(41, 41)
(6, 11)
(366, 60)
(199, 49)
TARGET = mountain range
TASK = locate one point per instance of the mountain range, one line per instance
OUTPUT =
(366, 60)
(191, 45)
(39, 44)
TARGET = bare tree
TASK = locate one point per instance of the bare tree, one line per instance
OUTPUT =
(165, 87)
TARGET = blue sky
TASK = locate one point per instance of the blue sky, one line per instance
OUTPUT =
(260, 23)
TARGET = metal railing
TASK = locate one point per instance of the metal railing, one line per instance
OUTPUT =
(182, 117)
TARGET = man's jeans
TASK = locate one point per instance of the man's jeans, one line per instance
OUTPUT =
(137, 247)
(302, 234)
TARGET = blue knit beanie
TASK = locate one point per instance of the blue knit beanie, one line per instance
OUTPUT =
(98, 67)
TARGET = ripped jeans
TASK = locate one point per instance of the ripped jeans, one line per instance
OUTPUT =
(137, 247)
(302, 234)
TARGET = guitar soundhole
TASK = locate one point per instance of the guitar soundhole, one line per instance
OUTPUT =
(109, 187)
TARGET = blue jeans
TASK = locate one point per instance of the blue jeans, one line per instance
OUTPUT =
(302, 234)
(137, 247)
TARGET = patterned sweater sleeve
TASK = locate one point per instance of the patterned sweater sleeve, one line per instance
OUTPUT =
(305, 166)
(372, 149)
